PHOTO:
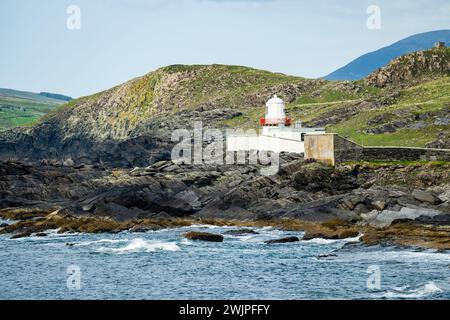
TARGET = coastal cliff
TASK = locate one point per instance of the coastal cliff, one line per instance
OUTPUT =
(102, 163)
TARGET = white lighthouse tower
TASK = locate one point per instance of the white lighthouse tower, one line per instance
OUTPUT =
(275, 115)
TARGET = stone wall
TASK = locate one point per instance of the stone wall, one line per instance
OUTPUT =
(332, 149)
(404, 154)
(346, 150)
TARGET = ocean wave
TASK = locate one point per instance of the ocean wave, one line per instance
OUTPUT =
(405, 292)
(142, 245)
(393, 255)
(330, 241)
(8, 221)
(203, 226)
(51, 234)
(186, 242)
(252, 238)
(88, 243)
(263, 234)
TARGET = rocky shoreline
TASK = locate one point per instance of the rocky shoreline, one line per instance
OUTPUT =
(405, 204)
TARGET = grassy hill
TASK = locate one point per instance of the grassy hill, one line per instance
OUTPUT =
(18, 108)
(416, 118)
(412, 109)
(412, 113)
(405, 103)
(158, 99)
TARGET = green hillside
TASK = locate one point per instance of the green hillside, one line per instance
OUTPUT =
(412, 112)
(416, 118)
(18, 108)
(406, 103)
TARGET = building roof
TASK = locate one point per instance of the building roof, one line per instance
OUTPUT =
(274, 100)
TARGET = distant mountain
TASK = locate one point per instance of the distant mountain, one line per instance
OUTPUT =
(366, 64)
(18, 108)
(56, 96)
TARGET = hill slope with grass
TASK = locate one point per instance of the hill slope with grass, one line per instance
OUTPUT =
(413, 109)
(131, 124)
(18, 108)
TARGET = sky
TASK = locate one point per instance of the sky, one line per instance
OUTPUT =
(118, 40)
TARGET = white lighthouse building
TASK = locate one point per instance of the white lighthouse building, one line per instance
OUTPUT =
(278, 133)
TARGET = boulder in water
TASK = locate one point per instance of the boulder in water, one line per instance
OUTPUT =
(240, 232)
(203, 236)
(283, 240)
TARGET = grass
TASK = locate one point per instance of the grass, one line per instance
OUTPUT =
(186, 87)
(427, 97)
(21, 112)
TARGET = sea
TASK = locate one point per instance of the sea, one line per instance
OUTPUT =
(163, 265)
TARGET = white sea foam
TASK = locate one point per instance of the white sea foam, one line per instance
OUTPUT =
(142, 245)
(202, 226)
(51, 234)
(383, 255)
(88, 243)
(405, 292)
(253, 238)
(7, 221)
(263, 234)
(329, 241)
(186, 242)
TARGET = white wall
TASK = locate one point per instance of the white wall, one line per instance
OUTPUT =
(262, 142)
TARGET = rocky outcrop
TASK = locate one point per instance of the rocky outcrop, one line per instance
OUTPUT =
(345, 111)
(384, 218)
(424, 196)
(442, 141)
(344, 234)
(411, 117)
(412, 68)
(310, 192)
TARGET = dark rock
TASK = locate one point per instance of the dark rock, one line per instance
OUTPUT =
(239, 232)
(310, 236)
(203, 236)
(424, 196)
(440, 220)
(41, 234)
(327, 255)
(379, 204)
(348, 234)
(21, 235)
(283, 240)
(141, 229)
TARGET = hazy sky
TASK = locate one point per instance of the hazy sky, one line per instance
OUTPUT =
(122, 39)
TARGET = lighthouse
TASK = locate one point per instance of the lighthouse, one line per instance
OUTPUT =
(275, 114)
(278, 133)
